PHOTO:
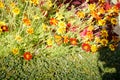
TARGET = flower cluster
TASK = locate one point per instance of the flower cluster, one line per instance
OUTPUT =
(29, 27)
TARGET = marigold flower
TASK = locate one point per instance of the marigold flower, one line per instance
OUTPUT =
(90, 28)
(73, 41)
(92, 7)
(49, 4)
(18, 38)
(62, 24)
(53, 21)
(58, 39)
(112, 47)
(94, 48)
(118, 5)
(104, 42)
(114, 21)
(80, 14)
(61, 30)
(89, 35)
(97, 39)
(66, 39)
(27, 21)
(101, 22)
(30, 31)
(86, 47)
(1, 5)
(4, 28)
(59, 16)
(45, 27)
(104, 33)
(95, 15)
(49, 42)
(27, 56)
(15, 50)
(35, 2)
(101, 11)
(2, 23)
(12, 4)
(115, 39)
(16, 10)
(36, 17)
(107, 6)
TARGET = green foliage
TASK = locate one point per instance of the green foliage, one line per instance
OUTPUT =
(41, 67)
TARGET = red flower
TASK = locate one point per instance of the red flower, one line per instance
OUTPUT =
(4, 28)
(27, 56)
(73, 41)
(86, 47)
(118, 5)
(68, 27)
(107, 6)
(73, 29)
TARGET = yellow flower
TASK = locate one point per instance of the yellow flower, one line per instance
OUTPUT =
(15, 50)
(1, 5)
(59, 16)
(90, 28)
(16, 10)
(104, 42)
(112, 47)
(2, 23)
(18, 38)
(62, 24)
(12, 4)
(101, 22)
(45, 27)
(30, 31)
(94, 48)
(35, 2)
(101, 11)
(97, 39)
(102, 1)
(104, 33)
(114, 21)
(115, 9)
(61, 30)
(36, 17)
(49, 42)
(80, 14)
(48, 4)
(92, 7)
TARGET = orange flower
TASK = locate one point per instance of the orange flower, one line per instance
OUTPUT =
(27, 21)
(95, 15)
(53, 21)
(58, 39)
(30, 30)
(4, 28)
(86, 47)
(66, 40)
(89, 35)
(73, 41)
(27, 56)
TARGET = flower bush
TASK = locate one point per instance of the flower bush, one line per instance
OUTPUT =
(32, 27)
